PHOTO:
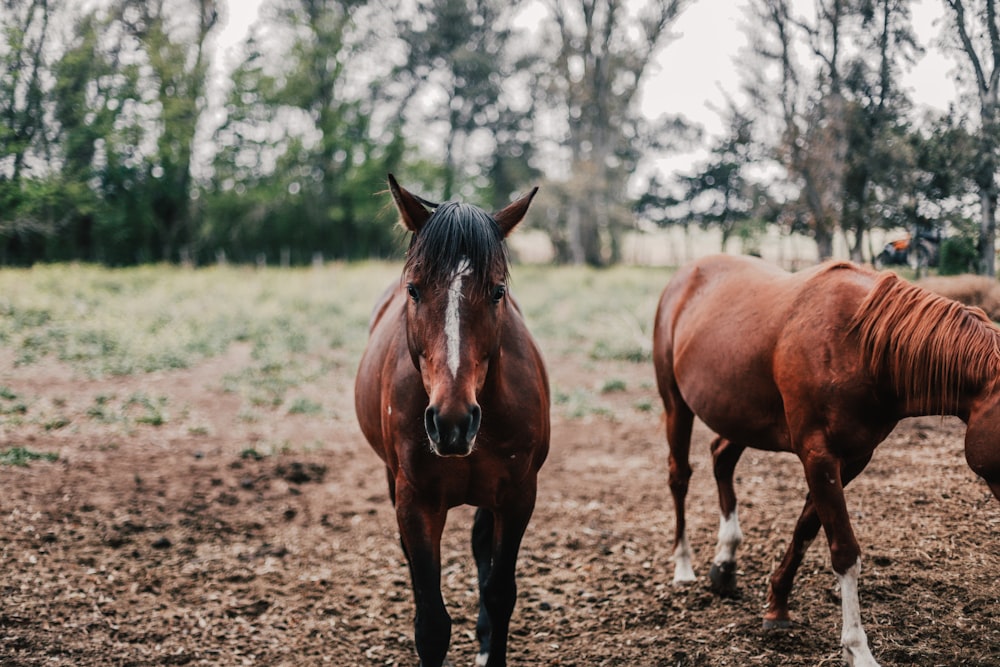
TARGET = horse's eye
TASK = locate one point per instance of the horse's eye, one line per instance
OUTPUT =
(414, 293)
(498, 293)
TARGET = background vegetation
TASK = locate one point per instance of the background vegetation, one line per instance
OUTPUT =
(113, 151)
(285, 330)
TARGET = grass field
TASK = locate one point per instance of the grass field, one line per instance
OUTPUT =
(298, 323)
(125, 321)
(185, 482)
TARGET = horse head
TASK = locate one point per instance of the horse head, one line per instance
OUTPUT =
(456, 283)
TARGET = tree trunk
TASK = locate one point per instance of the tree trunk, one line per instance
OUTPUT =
(988, 88)
(988, 233)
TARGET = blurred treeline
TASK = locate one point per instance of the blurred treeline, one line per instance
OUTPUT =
(123, 141)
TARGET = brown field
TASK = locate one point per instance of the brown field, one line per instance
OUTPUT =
(187, 521)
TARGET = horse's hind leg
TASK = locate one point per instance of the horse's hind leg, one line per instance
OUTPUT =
(482, 550)
(679, 423)
(725, 456)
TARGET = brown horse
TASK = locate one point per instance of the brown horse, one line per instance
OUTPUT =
(453, 396)
(822, 363)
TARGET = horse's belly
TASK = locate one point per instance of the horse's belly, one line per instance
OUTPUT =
(737, 402)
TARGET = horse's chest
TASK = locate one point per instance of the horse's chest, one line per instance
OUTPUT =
(482, 479)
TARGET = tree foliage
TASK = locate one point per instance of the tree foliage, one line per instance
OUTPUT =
(975, 32)
(300, 153)
(110, 150)
(593, 67)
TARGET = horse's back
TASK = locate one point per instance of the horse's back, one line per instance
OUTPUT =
(725, 327)
(714, 299)
(720, 294)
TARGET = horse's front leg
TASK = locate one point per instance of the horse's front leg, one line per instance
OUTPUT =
(420, 526)
(499, 592)
(806, 528)
(826, 486)
(783, 577)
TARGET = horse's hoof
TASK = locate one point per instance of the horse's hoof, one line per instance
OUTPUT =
(723, 578)
(777, 623)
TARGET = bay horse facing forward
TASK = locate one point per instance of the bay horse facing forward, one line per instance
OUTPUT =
(822, 363)
(453, 396)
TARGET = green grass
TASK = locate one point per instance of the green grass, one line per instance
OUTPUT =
(21, 456)
(304, 406)
(293, 325)
(608, 312)
(151, 318)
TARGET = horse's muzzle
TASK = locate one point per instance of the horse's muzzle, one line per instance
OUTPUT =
(454, 433)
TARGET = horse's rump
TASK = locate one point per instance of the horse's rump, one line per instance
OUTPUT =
(728, 327)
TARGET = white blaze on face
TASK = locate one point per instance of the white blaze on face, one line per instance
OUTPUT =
(452, 322)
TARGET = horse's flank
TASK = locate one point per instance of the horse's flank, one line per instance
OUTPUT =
(931, 349)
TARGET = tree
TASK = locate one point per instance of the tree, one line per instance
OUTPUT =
(811, 103)
(25, 33)
(92, 89)
(721, 194)
(842, 114)
(976, 29)
(593, 66)
(942, 182)
(176, 54)
(303, 148)
(875, 124)
(458, 66)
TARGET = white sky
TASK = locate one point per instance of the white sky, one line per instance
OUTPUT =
(692, 71)
(695, 69)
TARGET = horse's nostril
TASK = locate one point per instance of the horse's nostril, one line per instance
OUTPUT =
(431, 424)
(475, 416)
(452, 432)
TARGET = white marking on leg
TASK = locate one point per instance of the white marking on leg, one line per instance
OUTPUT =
(482, 659)
(852, 636)
(730, 538)
(683, 572)
(452, 322)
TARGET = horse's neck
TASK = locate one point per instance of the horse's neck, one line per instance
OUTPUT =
(956, 401)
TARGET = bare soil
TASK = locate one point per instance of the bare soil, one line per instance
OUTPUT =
(172, 544)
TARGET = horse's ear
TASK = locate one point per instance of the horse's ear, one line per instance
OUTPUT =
(514, 212)
(412, 211)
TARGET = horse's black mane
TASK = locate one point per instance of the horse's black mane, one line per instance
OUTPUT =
(457, 232)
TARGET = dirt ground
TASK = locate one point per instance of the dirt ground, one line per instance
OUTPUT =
(174, 541)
